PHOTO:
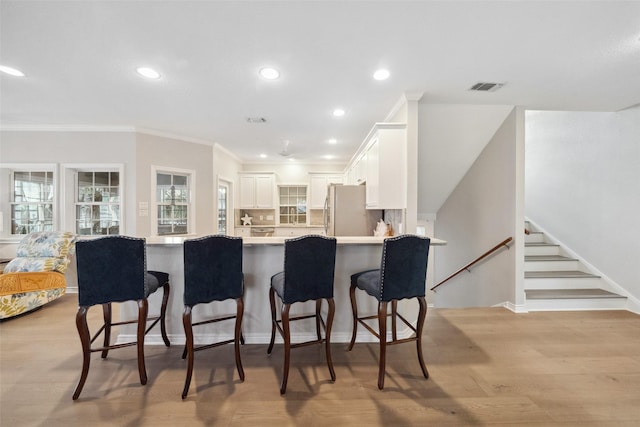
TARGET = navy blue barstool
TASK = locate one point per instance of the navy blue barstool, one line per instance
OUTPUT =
(309, 265)
(113, 269)
(212, 272)
(402, 275)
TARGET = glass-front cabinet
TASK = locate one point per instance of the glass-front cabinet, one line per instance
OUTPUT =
(293, 204)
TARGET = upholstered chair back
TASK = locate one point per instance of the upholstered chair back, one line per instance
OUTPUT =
(111, 269)
(403, 270)
(309, 265)
(212, 269)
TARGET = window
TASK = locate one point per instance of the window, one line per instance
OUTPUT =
(97, 203)
(32, 201)
(173, 204)
(293, 204)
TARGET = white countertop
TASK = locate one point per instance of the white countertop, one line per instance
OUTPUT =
(341, 240)
(279, 226)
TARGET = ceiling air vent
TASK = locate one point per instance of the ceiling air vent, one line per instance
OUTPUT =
(256, 120)
(486, 87)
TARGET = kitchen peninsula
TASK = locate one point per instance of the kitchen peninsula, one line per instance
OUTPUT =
(262, 258)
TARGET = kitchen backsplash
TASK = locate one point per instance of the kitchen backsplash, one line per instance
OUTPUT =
(258, 216)
(316, 217)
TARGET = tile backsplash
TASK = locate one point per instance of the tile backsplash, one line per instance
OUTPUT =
(259, 216)
(316, 217)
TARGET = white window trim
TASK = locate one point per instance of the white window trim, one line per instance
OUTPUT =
(68, 191)
(191, 211)
(221, 179)
(5, 201)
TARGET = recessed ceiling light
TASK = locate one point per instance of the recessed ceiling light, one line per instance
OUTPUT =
(328, 157)
(269, 73)
(147, 72)
(381, 74)
(11, 71)
(263, 156)
(291, 159)
(332, 141)
(338, 112)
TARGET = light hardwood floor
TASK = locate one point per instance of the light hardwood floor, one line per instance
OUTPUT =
(488, 366)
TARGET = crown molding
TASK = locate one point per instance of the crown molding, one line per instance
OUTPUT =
(226, 151)
(169, 135)
(404, 99)
(66, 128)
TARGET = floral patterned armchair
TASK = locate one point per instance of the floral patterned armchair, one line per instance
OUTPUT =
(36, 276)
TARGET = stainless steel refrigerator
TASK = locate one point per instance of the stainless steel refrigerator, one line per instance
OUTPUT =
(345, 213)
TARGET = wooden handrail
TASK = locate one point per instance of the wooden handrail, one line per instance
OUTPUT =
(505, 242)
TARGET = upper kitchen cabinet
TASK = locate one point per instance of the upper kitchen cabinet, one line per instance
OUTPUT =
(318, 183)
(385, 165)
(257, 190)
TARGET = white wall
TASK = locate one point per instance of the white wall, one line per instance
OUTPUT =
(63, 147)
(293, 172)
(583, 186)
(477, 215)
(153, 150)
(450, 139)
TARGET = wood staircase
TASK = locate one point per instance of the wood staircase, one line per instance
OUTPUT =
(555, 281)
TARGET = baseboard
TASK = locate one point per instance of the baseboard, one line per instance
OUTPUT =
(520, 309)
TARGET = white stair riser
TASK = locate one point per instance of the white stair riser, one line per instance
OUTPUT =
(570, 265)
(542, 250)
(534, 238)
(564, 283)
(576, 304)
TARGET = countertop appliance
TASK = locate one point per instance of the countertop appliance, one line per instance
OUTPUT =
(345, 212)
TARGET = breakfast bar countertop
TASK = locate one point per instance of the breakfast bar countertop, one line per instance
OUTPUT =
(341, 240)
(262, 257)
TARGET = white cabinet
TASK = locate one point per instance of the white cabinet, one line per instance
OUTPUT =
(318, 183)
(387, 167)
(298, 231)
(373, 175)
(257, 190)
(242, 231)
(360, 169)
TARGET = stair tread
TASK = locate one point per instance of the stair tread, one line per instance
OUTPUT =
(548, 258)
(570, 293)
(557, 274)
(540, 244)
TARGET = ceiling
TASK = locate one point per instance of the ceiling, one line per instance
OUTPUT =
(80, 59)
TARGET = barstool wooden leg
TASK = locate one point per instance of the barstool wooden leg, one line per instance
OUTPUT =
(188, 348)
(330, 314)
(237, 337)
(106, 315)
(272, 302)
(318, 326)
(354, 309)
(85, 339)
(143, 309)
(382, 324)
(420, 326)
(286, 335)
(166, 289)
(394, 315)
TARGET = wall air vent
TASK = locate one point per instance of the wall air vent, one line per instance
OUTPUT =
(256, 120)
(486, 87)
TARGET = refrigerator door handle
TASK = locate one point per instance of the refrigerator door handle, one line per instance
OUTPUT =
(325, 215)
